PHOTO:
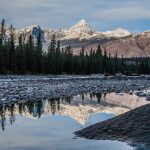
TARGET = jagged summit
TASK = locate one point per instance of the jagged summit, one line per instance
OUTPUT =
(29, 28)
(82, 26)
(81, 23)
(33, 30)
(80, 31)
(83, 34)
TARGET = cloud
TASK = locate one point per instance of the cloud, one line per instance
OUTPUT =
(123, 14)
(64, 13)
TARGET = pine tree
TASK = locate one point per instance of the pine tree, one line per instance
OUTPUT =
(51, 56)
(83, 65)
(30, 56)
(2, 38)
(59, 60)
(115, 63)
(99, 50)
(53, 44)
(68, 64)
(105, 62)
(20, 56)
(39, 54)
(99, 59)
(12, 51)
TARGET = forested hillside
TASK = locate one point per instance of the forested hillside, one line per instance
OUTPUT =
(28, 57)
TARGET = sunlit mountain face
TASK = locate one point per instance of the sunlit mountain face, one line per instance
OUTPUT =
(83, 35)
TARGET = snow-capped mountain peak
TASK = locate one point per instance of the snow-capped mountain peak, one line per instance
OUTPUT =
(78, 32)
(81, 30)
(33, 30)
(82, 26)
(29, 28)
(81, 23)
(119, 32)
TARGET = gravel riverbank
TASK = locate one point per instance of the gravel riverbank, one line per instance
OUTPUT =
(22, 88)
(132, 126)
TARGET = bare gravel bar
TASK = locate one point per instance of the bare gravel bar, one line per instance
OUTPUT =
(28, 87)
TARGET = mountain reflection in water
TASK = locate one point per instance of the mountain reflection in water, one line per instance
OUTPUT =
(34, 109)
(79, 107)
(48, 124)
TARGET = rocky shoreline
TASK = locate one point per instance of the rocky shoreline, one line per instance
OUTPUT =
(132, 127)
(22, 88)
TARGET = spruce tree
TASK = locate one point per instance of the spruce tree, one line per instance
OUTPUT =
(39, 54)
(115, 63)
(105, 62)
(2, 39)
(51, 55)
(12, 51)
(20, 55)
(99, 59)
(30, 56)
(59, 60)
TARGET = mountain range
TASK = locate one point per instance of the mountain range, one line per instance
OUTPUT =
(82, 34)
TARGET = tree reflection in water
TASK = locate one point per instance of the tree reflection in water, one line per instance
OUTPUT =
(36, 108)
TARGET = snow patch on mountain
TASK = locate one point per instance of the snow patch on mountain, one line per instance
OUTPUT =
(33, 30)
(29, 28)
(80, 31)
(83, 31)
(119, 32)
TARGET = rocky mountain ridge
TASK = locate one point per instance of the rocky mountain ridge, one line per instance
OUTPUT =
(82, 34)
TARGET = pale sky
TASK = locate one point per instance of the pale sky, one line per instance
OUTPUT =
(102, 15)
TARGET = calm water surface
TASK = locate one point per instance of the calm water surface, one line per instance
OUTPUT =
(40, 126)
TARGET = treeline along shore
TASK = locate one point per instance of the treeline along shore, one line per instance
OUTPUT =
(28, 57)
